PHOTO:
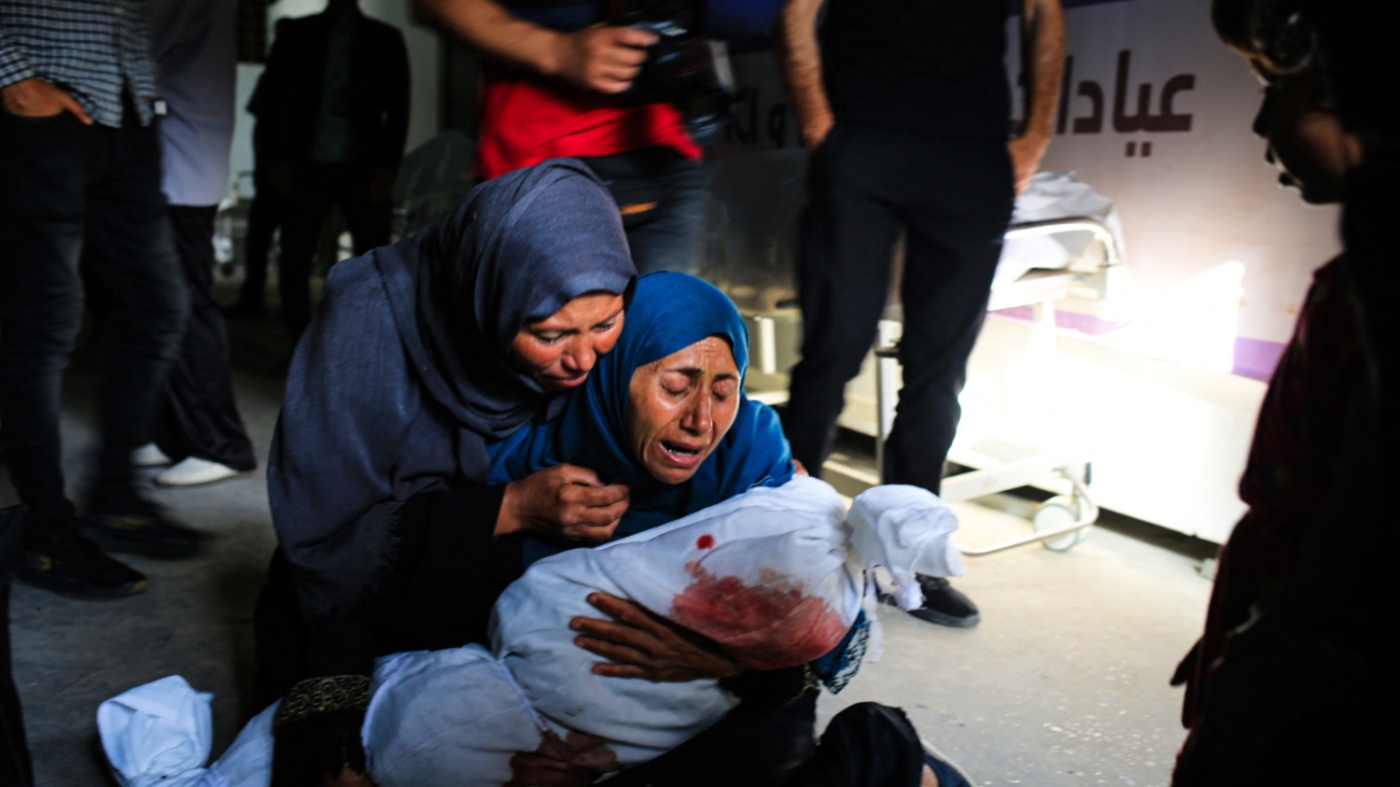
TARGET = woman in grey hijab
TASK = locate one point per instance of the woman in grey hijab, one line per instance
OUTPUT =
(421, 353)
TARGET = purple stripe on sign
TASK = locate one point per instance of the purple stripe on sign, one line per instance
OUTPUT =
(1254, 358)
(1257, 358)
(1086, 324)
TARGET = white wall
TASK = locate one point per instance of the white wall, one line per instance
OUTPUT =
(423, 60)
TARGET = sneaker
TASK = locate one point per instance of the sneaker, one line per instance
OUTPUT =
(74, 567)
(141, 527)
(192, 470)
(945, 605)
(149, 455)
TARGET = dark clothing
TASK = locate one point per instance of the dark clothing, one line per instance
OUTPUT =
(292, 103)
(756, 745)
(16, 769)
(320, 187)
(447, 576)
(661, 194)
(200, 417)
(290, 91)
(76, 193)
(932, 66)
(872, 745)
(266, 213)
(403, 376)
(953, 198)
(264, 217)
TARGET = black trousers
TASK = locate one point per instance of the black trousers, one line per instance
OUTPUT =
(264, 216)
(662, 198)
(72, 194)
(15, 766)
(199, 416)
(953, 200)
(318, 188)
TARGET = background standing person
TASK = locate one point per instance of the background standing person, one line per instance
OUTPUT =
(80, 181)
(557, 91)
(195, 54)
(905, 106)
(336, 106)
(264, 215)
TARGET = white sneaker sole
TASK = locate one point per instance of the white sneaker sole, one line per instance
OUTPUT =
(194, 471)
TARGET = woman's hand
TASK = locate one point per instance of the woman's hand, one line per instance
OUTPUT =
(639, 644)
(575, 761)
(564, 501)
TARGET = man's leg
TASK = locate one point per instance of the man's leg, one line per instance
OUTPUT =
(955, 240)
(956, 227)
(301, 230)
(662, 198)
(263, 218)
(130, 253)
(368, 222)
(43, 177)
(200, 417)
(848, 234)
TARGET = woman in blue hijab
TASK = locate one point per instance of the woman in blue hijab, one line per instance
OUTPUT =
(420, 354)
(607, 420)
(665, 414)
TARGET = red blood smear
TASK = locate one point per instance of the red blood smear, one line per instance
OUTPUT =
(705, 542)
(771, 625)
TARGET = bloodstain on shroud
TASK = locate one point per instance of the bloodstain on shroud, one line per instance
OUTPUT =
(771, 625)
(581, 755)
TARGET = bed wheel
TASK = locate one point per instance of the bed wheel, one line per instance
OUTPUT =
(1058, 512)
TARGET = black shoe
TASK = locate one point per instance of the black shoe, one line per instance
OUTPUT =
(74, 567)
(945, 605)
(141, 527)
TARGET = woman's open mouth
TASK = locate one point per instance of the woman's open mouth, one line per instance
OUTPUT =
(680, 454)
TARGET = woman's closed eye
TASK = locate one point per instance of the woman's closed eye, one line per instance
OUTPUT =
(675, 384)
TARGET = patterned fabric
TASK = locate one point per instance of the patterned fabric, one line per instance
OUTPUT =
(318, 696)
(836, 668)
(91, 48)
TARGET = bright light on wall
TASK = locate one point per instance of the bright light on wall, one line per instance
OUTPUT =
(1193, 323)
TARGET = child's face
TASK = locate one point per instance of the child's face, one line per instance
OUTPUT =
(1306, 141)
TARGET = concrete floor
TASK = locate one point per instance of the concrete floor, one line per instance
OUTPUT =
(1064, 683)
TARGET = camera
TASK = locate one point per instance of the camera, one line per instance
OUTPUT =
(681, 68)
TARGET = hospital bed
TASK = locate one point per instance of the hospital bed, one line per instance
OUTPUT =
(1051, 255)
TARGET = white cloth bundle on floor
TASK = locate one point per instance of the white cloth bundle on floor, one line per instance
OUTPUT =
(157, 733)
(775, 576)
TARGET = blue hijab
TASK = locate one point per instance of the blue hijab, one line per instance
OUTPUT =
(669, 312)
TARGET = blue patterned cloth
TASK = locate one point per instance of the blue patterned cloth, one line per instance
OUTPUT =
(836, 668)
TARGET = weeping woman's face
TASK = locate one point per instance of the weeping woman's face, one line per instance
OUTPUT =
(680, 407)
(560, 350)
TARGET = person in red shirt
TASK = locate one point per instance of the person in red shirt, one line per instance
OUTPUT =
(558, 91)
